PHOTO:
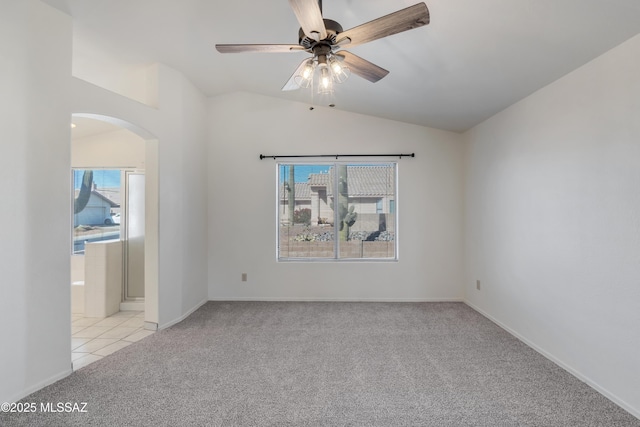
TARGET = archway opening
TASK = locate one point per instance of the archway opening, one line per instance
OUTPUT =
(114, 256)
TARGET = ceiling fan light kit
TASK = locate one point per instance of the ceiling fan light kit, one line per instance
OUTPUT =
(324, 39)
(331, 70)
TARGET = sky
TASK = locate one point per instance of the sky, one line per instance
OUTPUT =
(301, 172)
(104, 178)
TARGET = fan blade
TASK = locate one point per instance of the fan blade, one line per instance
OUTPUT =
(406, 19)
(310, 18)
(362, 67)
(258, 48)
(291, 83)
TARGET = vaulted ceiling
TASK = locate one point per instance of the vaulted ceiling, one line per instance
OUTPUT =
(475, 58)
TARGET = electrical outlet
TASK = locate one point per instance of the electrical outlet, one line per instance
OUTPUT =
(478, 284)
(244, 277)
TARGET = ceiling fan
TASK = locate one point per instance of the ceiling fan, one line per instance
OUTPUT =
(325, 39)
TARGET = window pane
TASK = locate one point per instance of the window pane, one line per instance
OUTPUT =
(305, 218)
(366, 221)
(96, 206)
(336, 210)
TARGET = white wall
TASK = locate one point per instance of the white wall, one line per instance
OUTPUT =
(242, 238)
(35, 301)
(553, 221)
(193, 199)
(178, 158)
(38, 97)
(115, 149)
(137, 82)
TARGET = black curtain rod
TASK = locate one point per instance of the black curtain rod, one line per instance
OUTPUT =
(262, 156)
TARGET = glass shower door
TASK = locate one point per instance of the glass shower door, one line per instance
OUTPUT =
(134, 237)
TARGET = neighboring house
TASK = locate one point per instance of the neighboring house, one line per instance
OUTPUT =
(370, 188)
(302, 198)
(97, 212)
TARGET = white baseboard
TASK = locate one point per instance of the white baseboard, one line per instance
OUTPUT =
(150, 326)
(606, 393)
(132, 306)
(313, 299)
(184, 316)
(42, 384)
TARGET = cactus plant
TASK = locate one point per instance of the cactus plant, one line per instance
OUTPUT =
(292, 193)
(80, 202)
(346, 215)
(350, 217)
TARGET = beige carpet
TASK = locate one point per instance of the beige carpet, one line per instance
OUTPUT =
(327, 364)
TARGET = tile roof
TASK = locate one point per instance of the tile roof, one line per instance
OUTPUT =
(363, 181)
(303, 191)
(316, 179)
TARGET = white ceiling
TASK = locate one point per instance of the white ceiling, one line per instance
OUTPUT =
(474, 59)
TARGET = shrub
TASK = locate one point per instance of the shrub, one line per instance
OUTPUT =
(302, 216)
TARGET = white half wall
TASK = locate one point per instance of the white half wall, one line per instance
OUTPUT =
(552, 221)
(242, 207)
(35, 292)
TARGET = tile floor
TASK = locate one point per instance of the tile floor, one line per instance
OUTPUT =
(93, 338)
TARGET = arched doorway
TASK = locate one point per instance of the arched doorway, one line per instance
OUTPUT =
(107, 147)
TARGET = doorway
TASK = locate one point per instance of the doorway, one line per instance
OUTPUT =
(101, 143)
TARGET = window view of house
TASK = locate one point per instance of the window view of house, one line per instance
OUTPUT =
(337, 211)
(96, 206)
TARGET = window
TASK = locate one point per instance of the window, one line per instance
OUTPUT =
(331, 211)
(96, 206)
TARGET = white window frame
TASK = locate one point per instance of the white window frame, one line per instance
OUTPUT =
(336, 257)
